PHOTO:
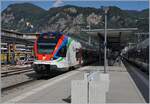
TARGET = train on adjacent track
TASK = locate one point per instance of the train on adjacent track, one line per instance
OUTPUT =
(58, 52)
(139, 55)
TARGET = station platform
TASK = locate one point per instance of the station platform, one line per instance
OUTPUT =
(122, 88)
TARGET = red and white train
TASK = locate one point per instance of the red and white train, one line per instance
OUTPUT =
(59, 52)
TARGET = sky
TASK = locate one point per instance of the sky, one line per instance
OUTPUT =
(46, 4)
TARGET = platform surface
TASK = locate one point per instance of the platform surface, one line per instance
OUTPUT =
(58, 90)
(122, 87)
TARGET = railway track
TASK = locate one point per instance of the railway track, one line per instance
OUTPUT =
(15, 71)
(15, 76)
(140, 78)
(17, 85)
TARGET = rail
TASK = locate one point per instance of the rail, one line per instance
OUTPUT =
(15, 71)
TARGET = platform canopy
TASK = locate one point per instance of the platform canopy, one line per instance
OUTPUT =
(116, 38)
(9, 36)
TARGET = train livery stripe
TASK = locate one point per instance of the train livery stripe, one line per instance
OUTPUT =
(64, 42)
(70, 40)
(60, 59)
(58, 45)
(35, 48)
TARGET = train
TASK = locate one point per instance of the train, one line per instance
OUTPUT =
(56, 51)
(139, 55)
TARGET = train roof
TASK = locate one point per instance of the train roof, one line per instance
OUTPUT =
(51, 33)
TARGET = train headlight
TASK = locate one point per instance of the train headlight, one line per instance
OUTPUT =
(44, 57)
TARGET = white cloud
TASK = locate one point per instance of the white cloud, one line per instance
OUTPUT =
(57, 3)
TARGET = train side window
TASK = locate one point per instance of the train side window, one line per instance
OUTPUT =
(78, 54)
(63, 51)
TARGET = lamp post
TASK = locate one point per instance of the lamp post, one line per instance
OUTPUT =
(89, 26)
(105, 38)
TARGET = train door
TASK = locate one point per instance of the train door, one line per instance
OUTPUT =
(62, 52)
(71, 55)
(79, 55)
(74, 54)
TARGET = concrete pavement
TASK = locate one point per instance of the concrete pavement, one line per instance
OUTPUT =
(58, 90)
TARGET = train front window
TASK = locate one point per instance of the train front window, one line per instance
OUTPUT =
(46, 44)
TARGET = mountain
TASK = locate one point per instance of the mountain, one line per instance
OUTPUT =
(27, 17)
(22, 17)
